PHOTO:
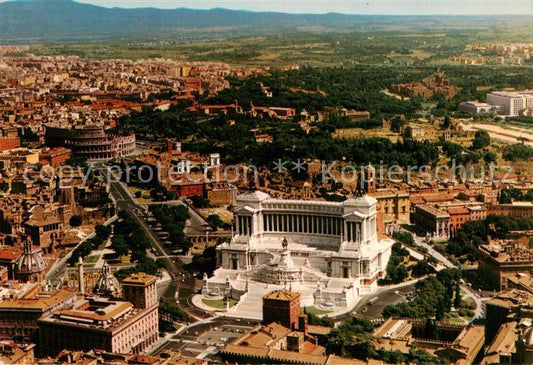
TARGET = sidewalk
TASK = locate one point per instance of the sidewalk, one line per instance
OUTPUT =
(419, 241)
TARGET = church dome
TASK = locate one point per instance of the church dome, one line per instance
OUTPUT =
(107, 283)
(31, 261)
(527, 338)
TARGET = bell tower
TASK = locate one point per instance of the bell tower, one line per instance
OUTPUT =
(369, 180)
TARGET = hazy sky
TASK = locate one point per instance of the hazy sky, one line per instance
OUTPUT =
(340, 6)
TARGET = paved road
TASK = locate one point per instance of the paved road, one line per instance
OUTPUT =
(193, 337)
(125, 202)
(371, 306)
(181, 281)
(480, 302)
(436, 254)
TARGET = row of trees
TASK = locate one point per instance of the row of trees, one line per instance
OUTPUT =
(200, 201)
(396, 269)
(205, 262)
(168, 314)
(238, 144)
(404, 237)
(173, 219)
(160, 194)
(129, 238)
(506, 196)
(216, 222)
(422, 267)
(434, 297)
(518, 152)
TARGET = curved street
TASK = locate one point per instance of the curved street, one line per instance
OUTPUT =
(436, 254)
(445, 263)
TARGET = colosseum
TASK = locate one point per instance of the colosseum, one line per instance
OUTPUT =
(95, 143)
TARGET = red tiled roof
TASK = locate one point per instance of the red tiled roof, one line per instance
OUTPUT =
(10, 254)
(460, 210)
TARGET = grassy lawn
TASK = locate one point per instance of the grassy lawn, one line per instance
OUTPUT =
(453, 317)
(218, 303)
(91, 259)
(467, 319)
(198, 248)
(125, 259)
(469, 303)
(103, 245)
(315, 311)
(145, 194)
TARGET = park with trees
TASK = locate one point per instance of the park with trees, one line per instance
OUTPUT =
(173, 219)
(128, 239)
(473, 233)
(353, 339)
(435, 297)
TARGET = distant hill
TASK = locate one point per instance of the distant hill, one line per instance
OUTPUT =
(64, 20)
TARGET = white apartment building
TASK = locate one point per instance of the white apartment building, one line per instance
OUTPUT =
(474, 107)
(511, 103)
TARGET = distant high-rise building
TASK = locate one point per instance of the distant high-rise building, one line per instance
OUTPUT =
(510, 103)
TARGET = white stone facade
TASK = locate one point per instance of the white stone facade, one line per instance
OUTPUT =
(511, 103)
(327, 251)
